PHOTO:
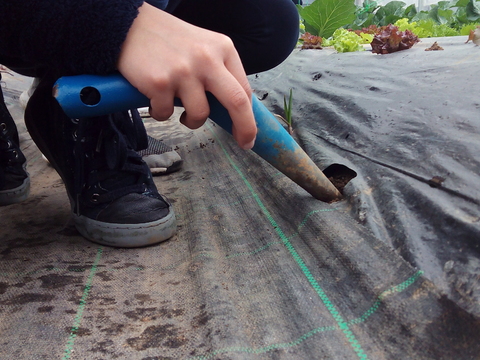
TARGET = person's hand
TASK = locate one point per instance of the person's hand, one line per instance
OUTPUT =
(165, 57)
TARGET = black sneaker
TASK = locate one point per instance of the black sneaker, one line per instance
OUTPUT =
(160, 158)
(113, 197)
(14, 179)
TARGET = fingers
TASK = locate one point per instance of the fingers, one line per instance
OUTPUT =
(229, 93)
(205, 61)
(237, 100)
(233, 91)
(196, 105)
(235, 67)
(161, 107)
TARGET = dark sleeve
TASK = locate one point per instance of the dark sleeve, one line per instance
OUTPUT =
(68, 36)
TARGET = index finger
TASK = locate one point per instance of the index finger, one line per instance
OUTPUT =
(236, 98)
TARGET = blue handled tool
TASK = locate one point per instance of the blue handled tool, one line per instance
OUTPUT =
(93, 95)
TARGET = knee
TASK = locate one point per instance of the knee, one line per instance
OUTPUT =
(284, 23)
(279, 36)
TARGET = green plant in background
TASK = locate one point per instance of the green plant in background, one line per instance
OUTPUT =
(347, 41)
(370, 13)
(330, 19)
(465, 29)
(453, 14)
(426, 28)
(323, 17)
(365, 13)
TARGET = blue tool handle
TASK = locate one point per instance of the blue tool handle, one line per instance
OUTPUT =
(95, 95)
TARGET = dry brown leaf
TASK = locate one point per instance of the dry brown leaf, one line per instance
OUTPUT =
(434, 46)
(474, 36)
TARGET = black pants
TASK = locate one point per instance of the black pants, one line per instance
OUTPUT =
(264, 31)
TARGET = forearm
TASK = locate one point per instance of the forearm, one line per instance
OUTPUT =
(68, 36)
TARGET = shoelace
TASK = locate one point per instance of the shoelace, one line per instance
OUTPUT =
(107, 165)
(9, 153)
(7, 148)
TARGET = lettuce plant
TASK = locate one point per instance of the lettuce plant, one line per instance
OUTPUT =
(346, 41)
(426, 28)
(390, 39)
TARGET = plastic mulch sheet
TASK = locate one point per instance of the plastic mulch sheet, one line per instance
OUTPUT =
(259, 269)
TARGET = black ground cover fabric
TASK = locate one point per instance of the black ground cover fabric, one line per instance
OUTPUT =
(409, 124)
(259, 269)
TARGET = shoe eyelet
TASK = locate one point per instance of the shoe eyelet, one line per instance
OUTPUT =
(14, 158)
(75, 121)
(94, 197)
(3, 127)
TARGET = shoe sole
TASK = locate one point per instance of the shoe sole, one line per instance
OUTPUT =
(127, 235)
(17, 195)
(157, 171)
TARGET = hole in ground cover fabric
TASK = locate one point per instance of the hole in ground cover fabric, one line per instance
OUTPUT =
(340, 175)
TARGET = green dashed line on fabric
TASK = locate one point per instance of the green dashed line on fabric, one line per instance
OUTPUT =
(262, 350)
(81, 307)
(313, 282)
(304, 221)
(394, 290)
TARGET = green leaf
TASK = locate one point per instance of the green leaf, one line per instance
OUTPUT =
(390, 19)
(465, 30)
(422, 15)
(433, 14)
(361, 22)
(328, 15)
(389, 13)
(394, 8)
(461, 15)
(461, 3)
(445, 5)
(410, 11)
(309, 28)
(445, 16)
(473, 10)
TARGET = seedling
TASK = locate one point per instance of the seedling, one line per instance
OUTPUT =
(287, 110)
